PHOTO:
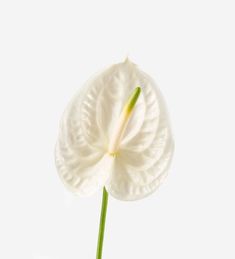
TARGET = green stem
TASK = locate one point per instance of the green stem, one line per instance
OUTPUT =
(102, 224)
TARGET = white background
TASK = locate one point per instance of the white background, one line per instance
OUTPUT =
(48, 49)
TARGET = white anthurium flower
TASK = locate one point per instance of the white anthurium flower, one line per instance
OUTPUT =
(115, 133)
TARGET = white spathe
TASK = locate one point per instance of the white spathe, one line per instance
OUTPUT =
(146, 148)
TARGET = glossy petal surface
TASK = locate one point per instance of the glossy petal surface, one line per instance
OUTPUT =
(145, 150)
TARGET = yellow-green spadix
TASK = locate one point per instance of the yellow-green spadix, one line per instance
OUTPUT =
(115, 133)
(123, 121)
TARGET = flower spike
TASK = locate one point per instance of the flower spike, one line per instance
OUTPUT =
(123, 121)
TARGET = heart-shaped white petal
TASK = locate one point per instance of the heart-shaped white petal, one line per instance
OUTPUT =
(87, 126)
